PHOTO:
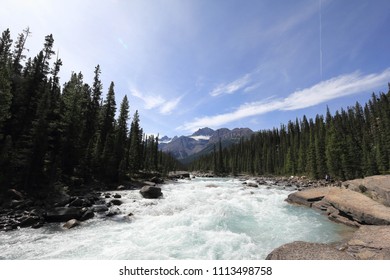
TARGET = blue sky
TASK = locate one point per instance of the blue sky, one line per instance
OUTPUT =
(187, 64)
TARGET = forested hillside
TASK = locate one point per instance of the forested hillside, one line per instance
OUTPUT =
(352, 143)
(50, 133)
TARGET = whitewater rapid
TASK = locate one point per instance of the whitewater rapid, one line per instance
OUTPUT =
(192, 221)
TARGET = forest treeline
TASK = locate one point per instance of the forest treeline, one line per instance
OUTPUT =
(51, 133)
(350, 144)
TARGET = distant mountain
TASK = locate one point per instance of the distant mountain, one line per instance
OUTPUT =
(186, 148)
(165, 140)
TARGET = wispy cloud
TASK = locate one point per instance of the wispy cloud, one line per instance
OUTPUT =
(151, 101)
(340, 86)
(169, 106)
(156, 101)
(232, 86)
(324, 91)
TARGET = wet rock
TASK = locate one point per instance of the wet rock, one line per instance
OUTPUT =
(28, 221)
(63, 202)
(63, 214)
(157, 180)
(117, 195)
(38, 225)
(121, 187)
(71, 224)
(113, 212)
(262, 182)
(151, 192)
(116, 202)
(89, 214)
(178, 175)
(78, 202)
(252, 185)
(99, 208)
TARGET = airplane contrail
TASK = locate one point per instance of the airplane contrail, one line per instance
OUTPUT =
(321, 39)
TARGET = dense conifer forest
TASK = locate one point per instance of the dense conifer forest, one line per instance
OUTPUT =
(352, 143)
(51, 133)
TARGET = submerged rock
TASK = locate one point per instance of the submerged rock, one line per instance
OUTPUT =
(116, 202)
(100, 208)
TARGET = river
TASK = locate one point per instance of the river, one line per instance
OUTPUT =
(226, 221)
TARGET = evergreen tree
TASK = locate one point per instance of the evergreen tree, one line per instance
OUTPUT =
(135, 150)
(121, 139)
(5, 84)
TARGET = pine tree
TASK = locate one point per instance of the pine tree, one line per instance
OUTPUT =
(135, 150)
(5, 81)
(18, 56)
(121, 139)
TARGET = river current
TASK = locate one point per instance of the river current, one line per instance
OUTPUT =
(193, 220)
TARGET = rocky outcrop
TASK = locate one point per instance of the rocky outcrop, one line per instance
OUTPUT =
(363, 203)
(370, 243)
(376, 187)
(367, 243)
(300, 250)
(178, 175)
(151, 192)
(343, 205)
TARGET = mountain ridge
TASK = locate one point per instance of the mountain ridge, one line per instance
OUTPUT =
(183, 147)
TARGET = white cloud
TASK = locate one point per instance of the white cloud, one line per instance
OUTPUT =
(252, 87)
(231, 87)
(324, 91)
(156, 101)
(340, 86)
(169, 106)
(151, 101)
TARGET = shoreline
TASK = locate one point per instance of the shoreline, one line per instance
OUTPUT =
(361, 204)
(355, 244)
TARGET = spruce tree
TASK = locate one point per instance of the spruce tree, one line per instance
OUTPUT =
(135, 150)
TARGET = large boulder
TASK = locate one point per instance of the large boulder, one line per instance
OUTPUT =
(370, 243)
(376, 187)
(151, 192)
(300, 250)
(63, 214)
(71, 224)
(344, 205)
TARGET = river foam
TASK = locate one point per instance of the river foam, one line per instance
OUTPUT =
(193, 220)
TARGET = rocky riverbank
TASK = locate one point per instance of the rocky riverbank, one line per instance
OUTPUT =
(20, 209)
(361, 203)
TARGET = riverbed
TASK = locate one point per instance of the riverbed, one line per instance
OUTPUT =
(203, 218)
